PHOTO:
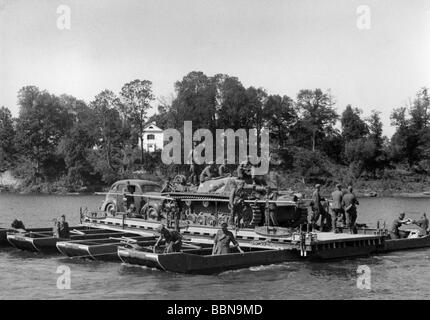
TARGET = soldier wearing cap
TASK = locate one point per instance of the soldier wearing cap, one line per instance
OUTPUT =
(222, 241)
(336, 207)
(173, 239)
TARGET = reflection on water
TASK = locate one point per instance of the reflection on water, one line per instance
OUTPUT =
(25, 275)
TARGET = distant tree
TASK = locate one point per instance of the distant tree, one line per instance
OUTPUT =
(375, 129)
(280, 114)
(195, 101)
(110, 135)
(7, 136)
(353, 127)
(410, 142)
(77, 144)
(41, 124)
(317, 110)
(136, 100)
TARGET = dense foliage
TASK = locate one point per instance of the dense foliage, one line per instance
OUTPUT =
(66, 142)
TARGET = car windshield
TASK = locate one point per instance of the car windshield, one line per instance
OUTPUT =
(150, 188)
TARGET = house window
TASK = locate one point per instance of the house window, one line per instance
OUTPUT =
(150, 137)
(151, 127)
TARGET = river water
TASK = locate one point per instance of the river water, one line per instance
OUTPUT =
(23, 275)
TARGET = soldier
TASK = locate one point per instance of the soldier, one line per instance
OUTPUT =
(244, 170)
(193, 175)
(272, 195)
(395, 233)
(131, 211)
(207, 173)
(349, 202)
(423, 223)
(173, 239)
(336, 206)
(128, 197)
(63, 228)
(222, 170)
(222, 241)
(318, 210)
(236, 203)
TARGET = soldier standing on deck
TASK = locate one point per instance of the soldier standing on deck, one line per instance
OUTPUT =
(128, 197)
(193, 175)
(350, 202)
(336, 206)
(236, 202)
(272, 195)
(318, 210)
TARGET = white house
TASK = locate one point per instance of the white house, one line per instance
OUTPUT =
(152, 138)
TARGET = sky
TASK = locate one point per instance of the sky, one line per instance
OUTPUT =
(280, 45)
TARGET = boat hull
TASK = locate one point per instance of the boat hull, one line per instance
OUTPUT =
(405, 244)
(191, 263)
(45, 242)
(97, 249)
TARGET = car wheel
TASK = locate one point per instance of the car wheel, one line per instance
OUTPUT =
(111, 207)
(152, 213)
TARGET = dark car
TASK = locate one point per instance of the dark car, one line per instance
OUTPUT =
(115, 200)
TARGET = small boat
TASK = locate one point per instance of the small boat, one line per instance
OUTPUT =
(201, 261)
(405, 244)
(104, 249)
(45, 241)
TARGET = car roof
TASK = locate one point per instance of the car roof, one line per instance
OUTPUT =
(138, 181)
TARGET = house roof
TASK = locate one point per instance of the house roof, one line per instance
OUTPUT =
(152, 127)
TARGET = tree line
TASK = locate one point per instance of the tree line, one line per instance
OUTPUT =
(65, 141)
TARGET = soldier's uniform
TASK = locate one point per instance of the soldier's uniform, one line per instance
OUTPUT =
(206, 174)
(222, 242)
(173, 240)
(272, 208)
(237, 197)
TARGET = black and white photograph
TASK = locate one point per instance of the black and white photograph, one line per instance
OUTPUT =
(214, 150)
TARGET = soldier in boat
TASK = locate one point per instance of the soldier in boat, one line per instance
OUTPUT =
(173, 239)
(222, 241)
(18, 225)
(236, 202)
(337, 208)
(63, 228)
(423, 224)
(395, 232)
(350, 203)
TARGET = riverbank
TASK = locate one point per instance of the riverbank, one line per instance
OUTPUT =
(411, 186)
